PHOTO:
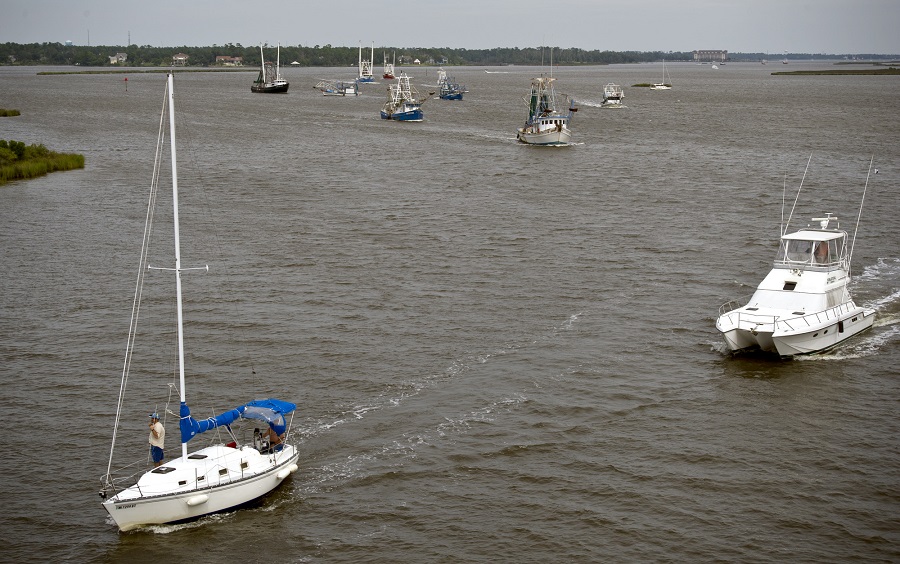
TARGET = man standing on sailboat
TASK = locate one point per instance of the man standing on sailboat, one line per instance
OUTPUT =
(157, 439)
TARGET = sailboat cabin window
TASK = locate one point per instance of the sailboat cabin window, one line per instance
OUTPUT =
(789, 285)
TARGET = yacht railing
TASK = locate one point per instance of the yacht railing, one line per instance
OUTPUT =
(813, 319)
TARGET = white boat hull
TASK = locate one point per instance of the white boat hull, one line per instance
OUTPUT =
(561, 136)
(187, 489)
(807, 334)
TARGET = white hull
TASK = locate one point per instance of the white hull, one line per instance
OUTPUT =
(790, 336)
(554, 136)
(193, 487)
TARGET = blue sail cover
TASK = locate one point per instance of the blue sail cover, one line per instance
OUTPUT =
(272, 411)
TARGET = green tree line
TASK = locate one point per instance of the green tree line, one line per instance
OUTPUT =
(329, 56)
(315, 56)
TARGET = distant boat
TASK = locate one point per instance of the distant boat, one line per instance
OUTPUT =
(784, 62)
(449, 90)
(403, 103)
(545, 125)
(715, 67)
(365, 67)
(612, 96)
(270, 80)
(389, 67)
(338, 87)
(663, 85)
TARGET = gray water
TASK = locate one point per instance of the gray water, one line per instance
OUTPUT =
(500, 353)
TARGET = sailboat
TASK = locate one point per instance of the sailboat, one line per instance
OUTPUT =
(389, 67)
(663, 85)
(216, 477)
(270, 80)
(365, 67)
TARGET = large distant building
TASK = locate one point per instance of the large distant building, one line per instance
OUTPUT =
(710, 56)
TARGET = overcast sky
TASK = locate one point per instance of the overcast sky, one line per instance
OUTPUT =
(774, 26)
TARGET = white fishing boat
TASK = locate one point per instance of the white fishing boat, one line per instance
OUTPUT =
(612, 96)
(803, 306)
(365, 66)
(545, 125)
(389, 67)
(666, 83)
(219, 475)
(338, 87)
(270, 80)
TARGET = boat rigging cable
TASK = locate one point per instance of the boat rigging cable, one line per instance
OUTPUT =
(138, 291)
(858, 217)
(797, 197)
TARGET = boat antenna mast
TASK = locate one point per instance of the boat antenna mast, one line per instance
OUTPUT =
(797, 197)
(858, 217)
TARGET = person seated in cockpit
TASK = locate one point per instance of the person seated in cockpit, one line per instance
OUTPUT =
(822, 252)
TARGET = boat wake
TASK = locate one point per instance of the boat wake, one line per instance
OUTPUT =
(406, 444)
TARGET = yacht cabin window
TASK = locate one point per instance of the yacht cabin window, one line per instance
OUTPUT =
(796, 251)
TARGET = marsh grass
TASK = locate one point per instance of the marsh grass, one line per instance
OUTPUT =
(20, 162)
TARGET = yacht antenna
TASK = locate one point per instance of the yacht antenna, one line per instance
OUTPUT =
(797, 197)
(855, 230)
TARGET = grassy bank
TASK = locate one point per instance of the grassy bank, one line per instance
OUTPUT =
(9, 113)
(146, 71)
(877, 72)
(20, 162)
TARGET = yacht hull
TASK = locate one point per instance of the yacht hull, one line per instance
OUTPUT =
(796, 336)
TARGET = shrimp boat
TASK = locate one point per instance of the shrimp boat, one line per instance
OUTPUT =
(448, 88)
(389, 67)
(215, 477)
(545, 125)
(403, 103)
(365, 67)
(270, 80)
(612, 96)
(338, 87)
(803, 306)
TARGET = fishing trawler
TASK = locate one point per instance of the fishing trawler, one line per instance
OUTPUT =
(545, 125)
(270, 80)
(403, 103)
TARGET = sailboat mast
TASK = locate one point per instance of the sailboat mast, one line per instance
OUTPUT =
(177, 247)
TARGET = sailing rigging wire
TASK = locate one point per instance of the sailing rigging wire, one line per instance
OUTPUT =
(139, 285)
